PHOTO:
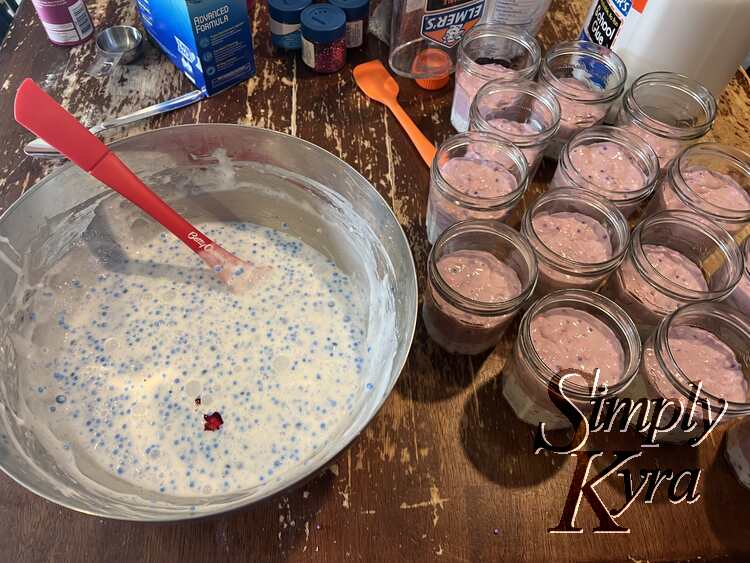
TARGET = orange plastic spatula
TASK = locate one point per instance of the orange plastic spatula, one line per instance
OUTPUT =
(44, 117)
(377, 83)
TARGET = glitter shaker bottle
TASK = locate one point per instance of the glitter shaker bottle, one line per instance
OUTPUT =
(357, 16)
(323, 38)
(67, 22)
(285, 23)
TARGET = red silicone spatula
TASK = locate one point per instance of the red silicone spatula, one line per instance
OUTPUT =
(44, 117)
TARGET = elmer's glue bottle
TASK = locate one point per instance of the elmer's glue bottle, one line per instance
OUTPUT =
(425, 35)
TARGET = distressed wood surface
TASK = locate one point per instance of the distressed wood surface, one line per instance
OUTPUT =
(445, 471)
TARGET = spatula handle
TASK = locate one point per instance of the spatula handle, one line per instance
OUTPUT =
(39, 113)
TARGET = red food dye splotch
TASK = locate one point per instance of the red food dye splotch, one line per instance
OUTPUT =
(212, 422)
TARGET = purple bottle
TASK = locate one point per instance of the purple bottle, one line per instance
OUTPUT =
(67, 22)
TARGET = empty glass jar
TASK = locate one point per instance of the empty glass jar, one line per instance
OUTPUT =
(670, 111)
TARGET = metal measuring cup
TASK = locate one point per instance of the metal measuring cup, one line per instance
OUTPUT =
(119, 44)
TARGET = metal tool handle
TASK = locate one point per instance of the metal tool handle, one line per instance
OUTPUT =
(39, 149)
(104, 64)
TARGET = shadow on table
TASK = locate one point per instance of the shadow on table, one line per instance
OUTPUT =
(500, 445)
(432, 374)
(727, 506)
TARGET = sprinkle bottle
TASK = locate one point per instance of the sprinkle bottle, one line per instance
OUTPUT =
(284, 18)
(323, 37)
(357, 16)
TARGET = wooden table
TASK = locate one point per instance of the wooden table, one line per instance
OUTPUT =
(445, 471)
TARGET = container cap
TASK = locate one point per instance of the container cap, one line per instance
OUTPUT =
(287, 11)
(354, 9)
(323, 23)
(433, 67)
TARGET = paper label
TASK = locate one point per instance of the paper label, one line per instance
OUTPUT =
(308, 53)
(354, 33)
(446, 22)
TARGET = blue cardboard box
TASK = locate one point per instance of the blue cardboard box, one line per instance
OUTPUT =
(208, 40)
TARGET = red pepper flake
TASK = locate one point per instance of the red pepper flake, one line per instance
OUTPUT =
(212, 422)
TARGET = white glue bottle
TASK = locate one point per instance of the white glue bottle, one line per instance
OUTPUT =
(525, 14)
(705, 39)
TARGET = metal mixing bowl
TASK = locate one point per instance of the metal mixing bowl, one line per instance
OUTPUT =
(216, 172)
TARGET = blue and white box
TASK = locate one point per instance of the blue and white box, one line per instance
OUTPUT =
(208, 40)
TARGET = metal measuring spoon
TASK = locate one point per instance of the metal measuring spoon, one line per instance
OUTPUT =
(116, 45)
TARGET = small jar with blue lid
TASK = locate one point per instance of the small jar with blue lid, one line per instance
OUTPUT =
(357, 16)
(323, 37)
(285, 23)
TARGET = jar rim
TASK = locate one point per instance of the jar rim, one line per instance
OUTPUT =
(472, 306)
(666, 360)
(723, 241)
(477, 203)
(596, 52)
(636, 147)
(684, 191)
(604, 305)
(616, 220)
(541, 93)
(679, 83)
(519, 36)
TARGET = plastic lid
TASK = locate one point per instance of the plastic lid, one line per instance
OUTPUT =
(434, 66)
(323, 23)
(287, 11)
(354, 9)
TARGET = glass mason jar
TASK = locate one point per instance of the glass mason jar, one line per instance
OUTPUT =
(583, 226)
(587, 79)
(704, 343)
(609, 342)
(524, 112)
(616, 164)
(674, 258)
(670, 111)
(737, 450)
(740, 297)
(474, 176)
(487, 52)
(709, 179)
(478, 257)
